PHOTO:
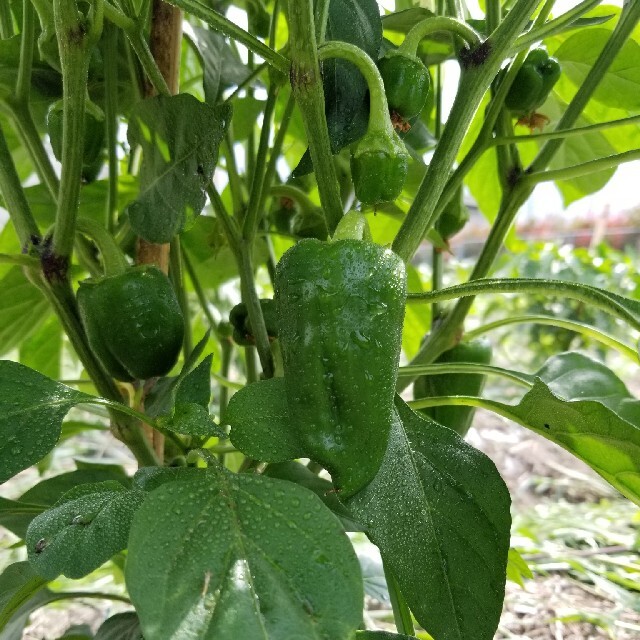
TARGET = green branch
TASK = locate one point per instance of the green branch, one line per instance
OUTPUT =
(440, 368)
(434, 25)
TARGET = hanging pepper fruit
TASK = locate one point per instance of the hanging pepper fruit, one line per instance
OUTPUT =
(533, 83)
(457, 418)
(239, 319)
(94, 137)
(453, 217)
(406, 84)
(340, 307)
(306, 219)
(131, 316)
(380, 162)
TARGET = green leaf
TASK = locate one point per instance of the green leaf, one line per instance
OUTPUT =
(22, 309)
(238, 556)
(439, 512)
(150, 478)
(16, 516)
(259, 419)
(404, 21)
(42, 350)
(299, 474)
(31, 411)
(517, 568)
(77, 632)
(122, 626)
(620, 87)
(86, 528)
(246, 113)
(581, 405)
(179, 137)
(21, 592)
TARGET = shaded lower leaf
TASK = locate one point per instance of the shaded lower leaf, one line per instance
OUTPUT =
(122, 626)
(237, 556)
(439, 512)
(19, 585)
(85, 529)
(31, 411)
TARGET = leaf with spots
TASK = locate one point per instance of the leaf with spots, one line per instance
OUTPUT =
(85, 528)
(239, 556)
(32, 408)
(179, 137)
(439, 512)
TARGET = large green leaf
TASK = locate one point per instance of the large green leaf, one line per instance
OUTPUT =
(179, 137)
(238, 556)
(122, 626)
(31, 411)
(620, 87)
(84, 529)
(22, 309)
(439, 512)
(17, 515)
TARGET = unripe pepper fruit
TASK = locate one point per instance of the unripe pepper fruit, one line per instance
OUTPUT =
(406, 83)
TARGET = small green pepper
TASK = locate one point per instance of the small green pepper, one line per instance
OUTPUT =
(133, 322)
(94, 137)
(453, 217)
(406, 83)
(379, 167)
(239, 319)
(454, 417)
(533, 82)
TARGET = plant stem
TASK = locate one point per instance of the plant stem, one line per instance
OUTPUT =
(74, 45)
(27, 42)
(583, 169)
(475, 80)
(111, 121)
(177, 279)
(15, 200)
(112, 257)
(6, 21)
(571, 325)
(465, 367)
(625, 309)
(321, 17)
(218, 22)
(153, 73)
(433, 25)
(306, 83)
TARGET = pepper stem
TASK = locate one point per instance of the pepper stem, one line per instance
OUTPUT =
(379, 121)
(431, 25)
(113, 259)
(297, 195)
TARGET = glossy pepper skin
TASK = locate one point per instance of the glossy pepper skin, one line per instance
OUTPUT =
(340, 307)
(379, 168)
(406, 84)
(453, 217)
(133, 322)
(457, 418)
(94, 137)
(533, 82)
(239, 319)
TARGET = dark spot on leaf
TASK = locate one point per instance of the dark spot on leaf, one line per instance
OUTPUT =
(546, 426)
(40, 545)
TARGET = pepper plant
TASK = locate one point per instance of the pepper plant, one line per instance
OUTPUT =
(219, 274)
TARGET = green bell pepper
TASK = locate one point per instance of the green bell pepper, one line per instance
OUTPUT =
(406, 83)
(533, 82)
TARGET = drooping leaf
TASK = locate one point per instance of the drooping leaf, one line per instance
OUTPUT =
(438, 510)
(581, 405)
(259, 419)
(122, 626)
(84, 529)
(179, 137)
(31, 411)
(239, 556)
